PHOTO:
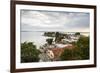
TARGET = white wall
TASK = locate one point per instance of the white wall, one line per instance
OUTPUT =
(5, 36)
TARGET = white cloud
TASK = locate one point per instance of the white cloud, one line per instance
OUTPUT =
(54, 21)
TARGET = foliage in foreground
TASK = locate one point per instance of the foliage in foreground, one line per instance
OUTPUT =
(29, 53)
(79, 52)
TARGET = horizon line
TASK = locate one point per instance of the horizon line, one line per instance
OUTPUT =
(53, 31)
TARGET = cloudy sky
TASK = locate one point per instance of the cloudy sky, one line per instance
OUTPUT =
(54, 21)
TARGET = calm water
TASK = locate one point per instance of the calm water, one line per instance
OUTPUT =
(37, 37)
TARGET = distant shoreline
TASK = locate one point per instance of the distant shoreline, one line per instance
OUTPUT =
(54, 31)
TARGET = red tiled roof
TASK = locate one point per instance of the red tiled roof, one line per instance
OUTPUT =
(58, 51)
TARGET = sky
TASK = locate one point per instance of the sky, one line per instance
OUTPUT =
(36, 20)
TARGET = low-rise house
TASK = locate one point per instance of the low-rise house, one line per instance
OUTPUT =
(62, 45)
(71, 38)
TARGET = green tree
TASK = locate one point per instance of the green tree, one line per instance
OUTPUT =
(59, 37)
(80, 50)
(49, 41)
(77, 33)
(83, 44)
(29, 53)
(66, 55)
(57, 34)
(49, 34)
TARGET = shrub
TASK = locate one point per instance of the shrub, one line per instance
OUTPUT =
(29, 53)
